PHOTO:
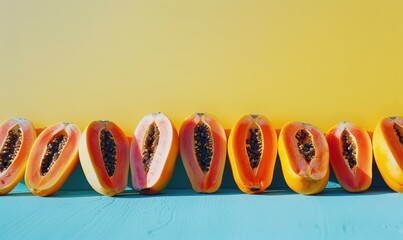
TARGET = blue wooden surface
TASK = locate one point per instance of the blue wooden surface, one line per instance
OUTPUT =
(77, 212)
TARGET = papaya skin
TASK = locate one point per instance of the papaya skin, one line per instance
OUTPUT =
(163, 164)
(250, 180)
(358, 178)
(388, 152)
(300, 176)
(92, 161)
(203, 182)
(11, 176)
(62, 168)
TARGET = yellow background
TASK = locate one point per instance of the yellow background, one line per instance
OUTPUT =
(314, 61)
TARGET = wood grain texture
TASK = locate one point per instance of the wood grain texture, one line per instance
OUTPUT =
(78, 212)
(183, 214)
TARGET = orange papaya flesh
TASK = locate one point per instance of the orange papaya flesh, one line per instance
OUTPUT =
(104, 157)
(252, 151)
(203, 150)
(52, 159)
(350, 156)
(304, 157)
(16, 138)
(153, 153)
(387, 142)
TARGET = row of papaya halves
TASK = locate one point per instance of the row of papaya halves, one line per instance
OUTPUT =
(105, 154)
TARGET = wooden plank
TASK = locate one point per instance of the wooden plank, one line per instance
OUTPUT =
(184, 214)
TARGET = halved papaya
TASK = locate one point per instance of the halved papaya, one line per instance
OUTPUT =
(153, 153)
(388, 151)
(304, 157)
(16, 138)
(350, 156)
(252, 151)
(53, 158)
(104, 157)
(203, 150)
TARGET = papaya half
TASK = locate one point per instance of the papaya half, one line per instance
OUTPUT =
(17, 136)
(203, 147)
(104, 157)
(350, 156)
(304, 157)
(153, 153)
(52, 159)
(387, 144)
(252, 151)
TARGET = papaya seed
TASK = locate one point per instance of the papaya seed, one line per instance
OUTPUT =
(53, 151)
(203, 145)
(305, 144)
(150, 144)
(10, 149)
(254, 145)
(108, 150)
(349, 149)
(397, 129)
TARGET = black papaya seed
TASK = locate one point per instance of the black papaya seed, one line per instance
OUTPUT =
(203, 146)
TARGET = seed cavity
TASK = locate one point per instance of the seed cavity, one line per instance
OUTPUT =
(305, 144)
(254, 146)
(108, 150)
(399, 132)
(203, 145)
(11, 148)
(53, 151)
(150, 143)
(349, 149)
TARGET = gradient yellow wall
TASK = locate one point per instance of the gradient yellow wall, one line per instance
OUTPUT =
(314, 61)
